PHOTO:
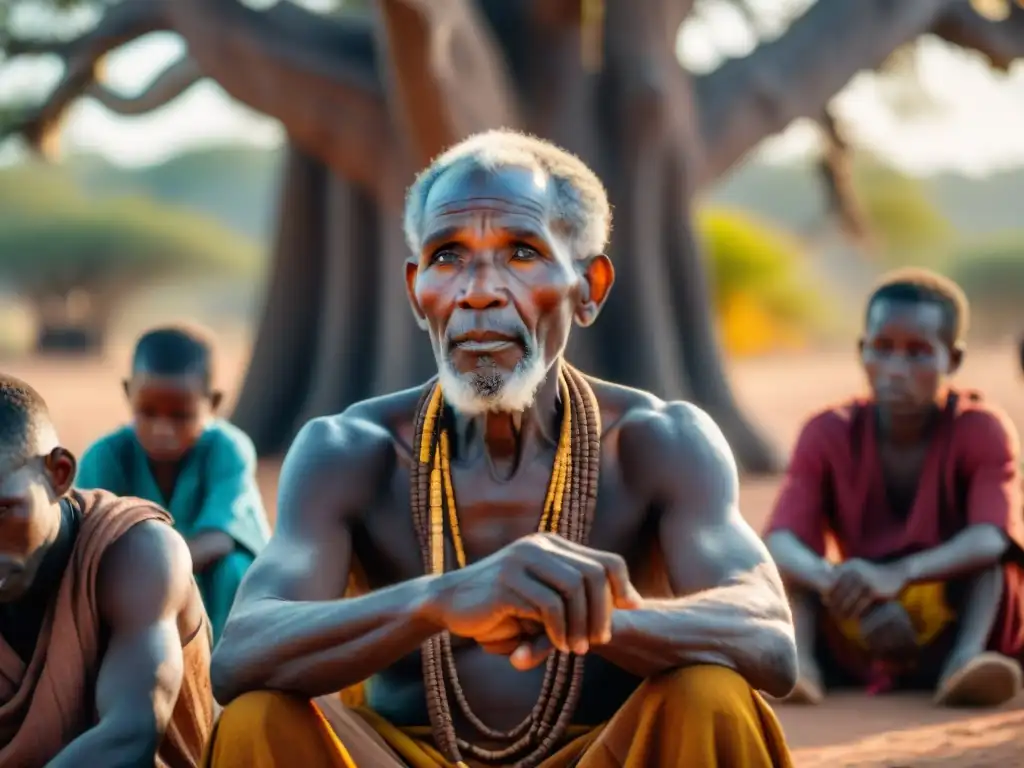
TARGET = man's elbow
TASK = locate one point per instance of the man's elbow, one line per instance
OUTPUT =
(774, 670)
(228, 676)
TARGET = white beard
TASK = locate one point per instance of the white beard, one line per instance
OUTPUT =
(473, 394)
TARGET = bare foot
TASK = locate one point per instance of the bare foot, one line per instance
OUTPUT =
(985, 680)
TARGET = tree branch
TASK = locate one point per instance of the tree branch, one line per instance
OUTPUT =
(165, 88)
(836, 173)
(317, 76)
(1001, 42)
(748, 99)
(448, 77)
(83, 56)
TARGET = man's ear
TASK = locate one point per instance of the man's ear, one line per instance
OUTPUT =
(598, 278)
(126, 385)
(61, 466)
(956, 356)
(216, 398)
(412, 268)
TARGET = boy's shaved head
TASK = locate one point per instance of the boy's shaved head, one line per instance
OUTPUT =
(175, 350)
(26, 430)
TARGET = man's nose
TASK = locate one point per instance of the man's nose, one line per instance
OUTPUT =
(163, 428)
(484, 290)
(897, 366)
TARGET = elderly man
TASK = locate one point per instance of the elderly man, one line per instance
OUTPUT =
(559, 572)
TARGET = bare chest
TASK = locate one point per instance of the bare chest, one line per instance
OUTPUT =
(902, 469)
(491, 513)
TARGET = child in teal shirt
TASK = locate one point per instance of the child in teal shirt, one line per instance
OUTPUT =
(177, 454)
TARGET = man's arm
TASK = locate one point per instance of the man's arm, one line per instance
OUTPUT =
(289, 629)
(795, 534)
(731, 608)
(991, 463)
(145, 582)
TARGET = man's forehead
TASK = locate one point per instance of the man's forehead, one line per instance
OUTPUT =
(923, 313)
(466, 187)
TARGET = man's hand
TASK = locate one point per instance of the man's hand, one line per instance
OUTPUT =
(542, 582)
(889, 632)
(859, 584)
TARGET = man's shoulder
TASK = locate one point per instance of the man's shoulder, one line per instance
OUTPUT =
(978, 422)
(148, 565)
(362, 434)
(833, 421)
(225, 439)
(675, 435)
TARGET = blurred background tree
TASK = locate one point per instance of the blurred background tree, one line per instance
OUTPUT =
(74, 260)
(368, 92)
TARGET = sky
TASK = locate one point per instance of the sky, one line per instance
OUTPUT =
(970, 122)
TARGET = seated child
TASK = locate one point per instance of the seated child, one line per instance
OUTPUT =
(917, 485)
(177, 454)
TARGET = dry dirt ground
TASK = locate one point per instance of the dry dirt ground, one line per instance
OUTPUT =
(848, 730)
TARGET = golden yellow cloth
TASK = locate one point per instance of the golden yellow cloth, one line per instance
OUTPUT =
(702, 716)
(924, 603)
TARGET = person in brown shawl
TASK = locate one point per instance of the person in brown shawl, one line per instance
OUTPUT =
(104, 643)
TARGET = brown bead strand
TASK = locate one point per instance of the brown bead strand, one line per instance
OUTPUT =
(541, 717)
(574, 531)
(568, 528)
(593, 415)
(576, 526)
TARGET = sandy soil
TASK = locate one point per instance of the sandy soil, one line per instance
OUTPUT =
(848, 730)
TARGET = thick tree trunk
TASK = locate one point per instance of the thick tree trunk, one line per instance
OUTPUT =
(337, 327)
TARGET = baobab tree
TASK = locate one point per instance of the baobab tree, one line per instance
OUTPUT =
(366, 99)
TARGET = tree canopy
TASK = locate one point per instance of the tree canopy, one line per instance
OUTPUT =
(54, 238)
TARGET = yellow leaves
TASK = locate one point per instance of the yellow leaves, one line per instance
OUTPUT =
(747, 328)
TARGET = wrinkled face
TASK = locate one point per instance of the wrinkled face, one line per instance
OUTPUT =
(169, 413)
(29, 522)
(497, 286)
(905, 355)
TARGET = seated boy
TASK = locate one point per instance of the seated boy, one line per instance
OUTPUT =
(104, 647)
(917, 487)
(178, 455)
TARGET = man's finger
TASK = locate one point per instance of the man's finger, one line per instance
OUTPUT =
(531, 653)
(623, 591)
(566, 577)
(502, 647)
(548, 607)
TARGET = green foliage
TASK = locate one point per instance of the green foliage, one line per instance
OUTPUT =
(748, 257)
(993, 271)
(51, 234)
(909, 227)
(763, 302)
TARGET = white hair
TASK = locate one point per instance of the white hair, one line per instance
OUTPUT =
(580, 200)
(488, 391)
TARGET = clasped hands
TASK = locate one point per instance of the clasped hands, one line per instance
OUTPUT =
(538, 593)
(868, 592)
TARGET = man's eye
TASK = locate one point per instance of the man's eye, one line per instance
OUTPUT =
(444, 257)
(524, 253)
